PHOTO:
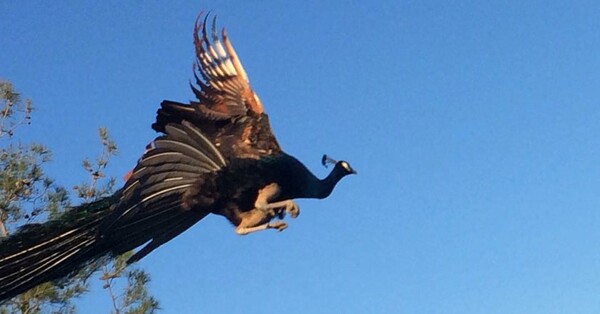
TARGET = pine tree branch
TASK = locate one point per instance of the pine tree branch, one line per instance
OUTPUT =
(107, 277)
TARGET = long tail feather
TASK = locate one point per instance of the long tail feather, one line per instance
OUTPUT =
(44, 252)
(157, 203)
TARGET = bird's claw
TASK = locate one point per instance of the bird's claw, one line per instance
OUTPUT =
(279, 225)
(292, 209)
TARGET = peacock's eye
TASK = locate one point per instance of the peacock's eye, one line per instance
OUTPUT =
(345, 165)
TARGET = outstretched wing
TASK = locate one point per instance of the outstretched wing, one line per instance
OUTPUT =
(156, 196)
(227, 110)
(222, 86)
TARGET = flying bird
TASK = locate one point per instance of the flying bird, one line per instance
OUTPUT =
(217, 155)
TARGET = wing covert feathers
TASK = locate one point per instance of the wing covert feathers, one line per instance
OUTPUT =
(174, 164)
(153, 197)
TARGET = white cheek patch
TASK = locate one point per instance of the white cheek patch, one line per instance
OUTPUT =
(345, 165)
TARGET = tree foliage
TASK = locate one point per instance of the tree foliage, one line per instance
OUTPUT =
(28, 195)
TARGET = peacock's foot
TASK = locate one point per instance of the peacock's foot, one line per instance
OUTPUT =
(280, 225)
(257, 220)
(292, 209)
(280, 209)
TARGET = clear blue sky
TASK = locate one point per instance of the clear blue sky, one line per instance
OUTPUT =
(475, 129)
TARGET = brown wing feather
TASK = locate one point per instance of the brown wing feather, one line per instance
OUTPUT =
(225, 90)
(227, 110)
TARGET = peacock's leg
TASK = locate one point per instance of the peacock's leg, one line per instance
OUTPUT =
(268, 193)
(260, 217)
(246, 226)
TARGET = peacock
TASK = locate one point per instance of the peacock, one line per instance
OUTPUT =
(214, 156)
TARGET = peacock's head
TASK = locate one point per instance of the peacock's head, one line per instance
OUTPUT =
(341, 166)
